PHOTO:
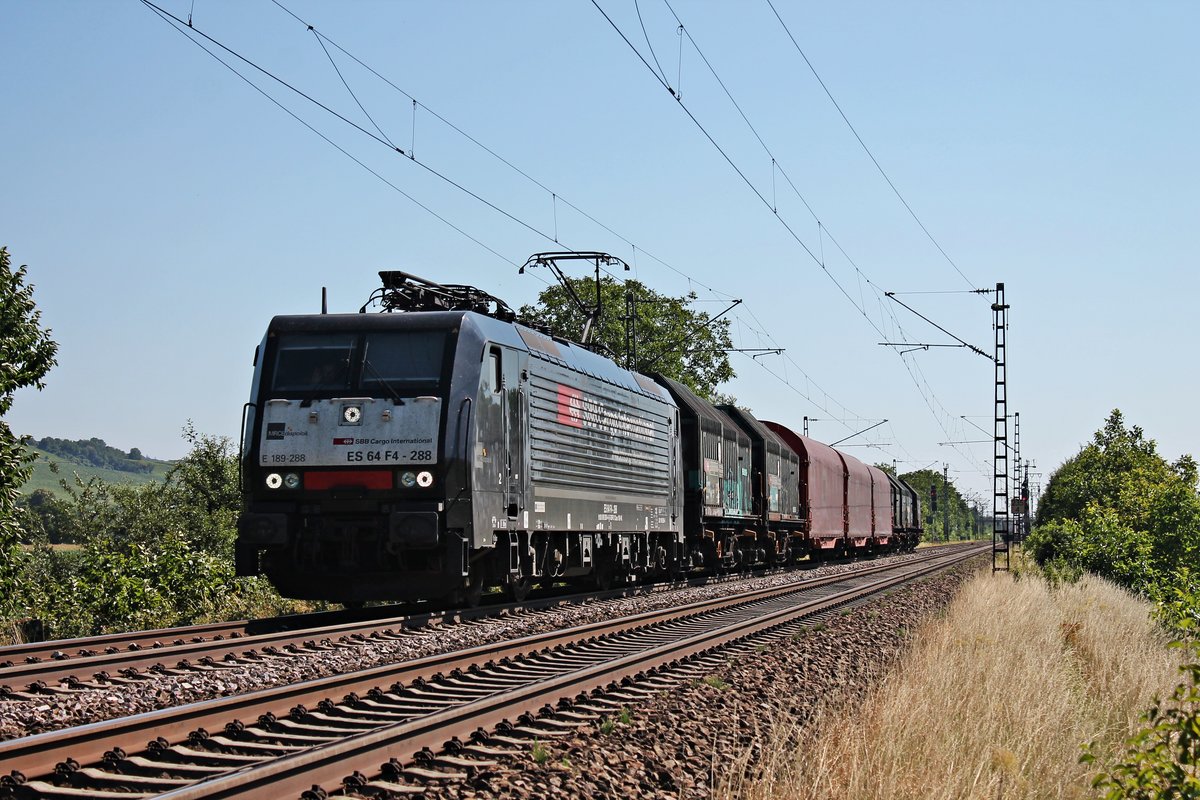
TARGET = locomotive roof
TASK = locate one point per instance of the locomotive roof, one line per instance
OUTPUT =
(569, 354)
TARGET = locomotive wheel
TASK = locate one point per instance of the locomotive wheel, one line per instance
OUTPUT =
(605, 570)
(517, 587)
(473, 592)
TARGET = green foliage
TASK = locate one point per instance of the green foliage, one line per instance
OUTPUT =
(149, 555)
(96, 453)
(962, 517)
(1120, 510)
(1162, 759)
(682, 344)
(539, 752)
(26, 354)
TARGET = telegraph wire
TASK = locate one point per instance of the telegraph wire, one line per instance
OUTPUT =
(866, 149)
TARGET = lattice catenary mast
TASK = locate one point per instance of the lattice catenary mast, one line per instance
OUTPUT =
(1000, 516)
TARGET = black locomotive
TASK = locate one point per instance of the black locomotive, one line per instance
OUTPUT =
(444, 446)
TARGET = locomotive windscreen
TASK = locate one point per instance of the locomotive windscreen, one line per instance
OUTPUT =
(380, 362)
(313, 362)
(402, 358)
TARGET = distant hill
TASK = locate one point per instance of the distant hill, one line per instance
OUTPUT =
(81, 456)
(94, 453)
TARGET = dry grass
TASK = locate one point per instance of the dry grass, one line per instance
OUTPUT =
(994, 701)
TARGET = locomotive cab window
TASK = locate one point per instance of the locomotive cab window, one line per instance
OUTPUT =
(496, 376)
(383, 363)
(402, 359)
(312, 362)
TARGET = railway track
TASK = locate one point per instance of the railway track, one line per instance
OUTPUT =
(93, 662)
(283, 741)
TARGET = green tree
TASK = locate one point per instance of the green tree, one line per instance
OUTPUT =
(26, 354)
(683, 344)
(1121, 510)
(962, 518)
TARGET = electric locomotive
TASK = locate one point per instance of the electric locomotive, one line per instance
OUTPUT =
(430, 452)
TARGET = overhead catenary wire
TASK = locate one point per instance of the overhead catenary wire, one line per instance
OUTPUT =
(866, 149)
(174, 23)
(377, 138)
(384, 139)
(741, 174)
(494, 154)
(167, 16)
(555, 196)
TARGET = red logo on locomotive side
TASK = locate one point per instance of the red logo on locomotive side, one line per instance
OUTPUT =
(570, 406)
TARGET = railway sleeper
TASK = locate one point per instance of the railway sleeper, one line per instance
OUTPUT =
(395, 788)
(102, 777)
(142, 763)
(224, 759)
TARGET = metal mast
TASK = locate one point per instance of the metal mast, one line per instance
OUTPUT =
(1000, 498)
(1017, 518)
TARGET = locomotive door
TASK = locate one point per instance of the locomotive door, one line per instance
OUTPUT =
(513, 456)
(491, 453)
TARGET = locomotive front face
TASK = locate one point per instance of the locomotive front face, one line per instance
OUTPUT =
(344, 471)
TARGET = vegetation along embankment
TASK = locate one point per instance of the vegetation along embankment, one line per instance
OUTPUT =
(1075, 676)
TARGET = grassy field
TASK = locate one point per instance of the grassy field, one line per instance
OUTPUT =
(44, 478)
(995, 700)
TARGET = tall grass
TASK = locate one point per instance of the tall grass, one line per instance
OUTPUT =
(994, 701)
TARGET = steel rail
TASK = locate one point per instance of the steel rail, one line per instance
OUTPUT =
(327, 765)
(49, 663)
(82, 647)
(39, 754)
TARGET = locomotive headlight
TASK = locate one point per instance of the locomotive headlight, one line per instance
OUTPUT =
(352, 415)
(291, 480)
(408, 480)
(425, 479)
(274, 480)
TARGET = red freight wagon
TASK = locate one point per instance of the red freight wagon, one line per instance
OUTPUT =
(858, 502)
(822, 488)
(881, 501)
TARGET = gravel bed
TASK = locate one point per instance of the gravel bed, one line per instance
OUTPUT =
(685, 743)
(56, 711)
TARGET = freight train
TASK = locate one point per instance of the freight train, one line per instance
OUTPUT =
(444, 446)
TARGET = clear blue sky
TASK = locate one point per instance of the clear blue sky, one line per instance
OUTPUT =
(166, 210)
